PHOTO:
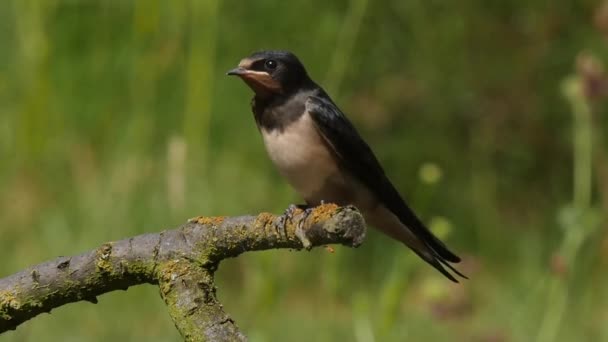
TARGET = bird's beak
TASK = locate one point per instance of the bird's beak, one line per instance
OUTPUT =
(259, 81)
(239, 71)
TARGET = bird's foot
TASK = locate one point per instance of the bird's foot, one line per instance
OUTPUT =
(300, 233)
(288, 215)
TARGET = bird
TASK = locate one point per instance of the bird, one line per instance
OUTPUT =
(317, 149)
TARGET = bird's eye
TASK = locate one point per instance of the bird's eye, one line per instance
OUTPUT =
(270, 64)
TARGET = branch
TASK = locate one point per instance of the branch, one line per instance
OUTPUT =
(181, 262)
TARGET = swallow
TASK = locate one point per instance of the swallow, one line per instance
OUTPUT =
(323, 157)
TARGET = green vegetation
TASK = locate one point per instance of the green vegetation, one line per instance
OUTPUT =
(490, 116)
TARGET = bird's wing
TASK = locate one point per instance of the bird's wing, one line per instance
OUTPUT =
(359, 159)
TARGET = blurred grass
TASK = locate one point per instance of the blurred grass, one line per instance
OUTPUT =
(116, 119)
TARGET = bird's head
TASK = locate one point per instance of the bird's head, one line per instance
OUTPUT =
(272, 73)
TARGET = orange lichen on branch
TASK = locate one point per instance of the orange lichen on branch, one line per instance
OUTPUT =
(208, 220)
(323, 212)
(264, 219)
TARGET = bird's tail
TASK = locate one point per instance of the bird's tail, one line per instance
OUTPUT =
(428, 247)
(438, 262)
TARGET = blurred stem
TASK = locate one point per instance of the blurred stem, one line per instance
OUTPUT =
(345, 44)
(582, 143)
(483, 187)
(35, 129)
(201, 63)
(144, 75)
(392, 291)
(575, 234)
(362, 326)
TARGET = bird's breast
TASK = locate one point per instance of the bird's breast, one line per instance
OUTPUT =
(301, 156)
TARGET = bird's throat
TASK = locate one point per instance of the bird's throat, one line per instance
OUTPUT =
(264, 86)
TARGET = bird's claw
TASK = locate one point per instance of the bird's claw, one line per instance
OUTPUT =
(288, 215)
(291, 211)
(300, 233)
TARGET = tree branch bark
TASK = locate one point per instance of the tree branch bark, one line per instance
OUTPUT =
(181, 262)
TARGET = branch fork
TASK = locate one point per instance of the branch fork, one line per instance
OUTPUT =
(180, 261)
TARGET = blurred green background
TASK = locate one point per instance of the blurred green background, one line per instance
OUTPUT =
(116, 119)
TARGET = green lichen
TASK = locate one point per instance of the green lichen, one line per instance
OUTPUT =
(206, 254)
(34, 302)
(169, 271)
(8, 301)
(186, 315)
(103, 258)
(141, 268)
